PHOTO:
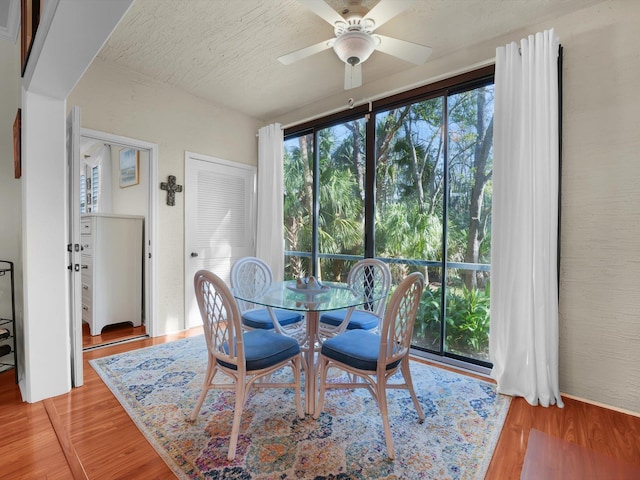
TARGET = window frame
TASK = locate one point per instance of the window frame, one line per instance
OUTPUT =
(443, 88)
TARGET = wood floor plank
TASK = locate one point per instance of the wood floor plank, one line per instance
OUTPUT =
(69, 451)
(28, 444)
(600, 430)
(110, 446)
(551, 457)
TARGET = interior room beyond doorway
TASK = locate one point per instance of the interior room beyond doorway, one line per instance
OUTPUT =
(114, 187)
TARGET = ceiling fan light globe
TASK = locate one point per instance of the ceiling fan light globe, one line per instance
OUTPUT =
(354, 47)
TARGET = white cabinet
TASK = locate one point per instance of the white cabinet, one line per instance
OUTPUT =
(112, 258)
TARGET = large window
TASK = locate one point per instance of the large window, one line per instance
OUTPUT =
(408, 181)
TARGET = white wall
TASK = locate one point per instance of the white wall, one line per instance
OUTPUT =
(129, 200)
(44, 238)
(120, 102)
(61, 51)
(10, 188)
(599, 292)
(600, 229)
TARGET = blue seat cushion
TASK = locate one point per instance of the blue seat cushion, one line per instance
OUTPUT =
(264, 348)
(360, 319)
(355, 348)
(260, 318)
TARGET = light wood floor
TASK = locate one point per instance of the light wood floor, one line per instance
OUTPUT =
(111, 334)
(94, 437)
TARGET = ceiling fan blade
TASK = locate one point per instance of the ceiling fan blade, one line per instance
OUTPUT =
(352, 76)
(289, 58)
(409, 51)
(323, 10)
(385, 10)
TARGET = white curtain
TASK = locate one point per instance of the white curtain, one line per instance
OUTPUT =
(102, 159)
(270, 236)
(524, 291)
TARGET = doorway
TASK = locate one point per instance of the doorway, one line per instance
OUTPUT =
(108, 191)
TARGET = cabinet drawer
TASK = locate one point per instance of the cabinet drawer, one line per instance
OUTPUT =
(87, 313)
(87, 294)
(86, 267)
(87, 302)
(85, 227)
(86, 243)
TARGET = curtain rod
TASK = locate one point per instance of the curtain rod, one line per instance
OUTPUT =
(389, 93)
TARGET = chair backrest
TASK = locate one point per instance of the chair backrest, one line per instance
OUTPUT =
(372, 278)
(220, 317)
(397, 326)
(250, 277)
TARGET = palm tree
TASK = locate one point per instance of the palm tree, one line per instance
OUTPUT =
(340, 222)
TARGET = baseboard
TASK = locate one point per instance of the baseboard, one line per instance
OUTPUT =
(602, 405)
(448, 362)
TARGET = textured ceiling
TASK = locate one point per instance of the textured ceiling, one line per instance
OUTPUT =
(226, 50)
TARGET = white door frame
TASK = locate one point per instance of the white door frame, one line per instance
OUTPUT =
(150, 224)
(73, 246)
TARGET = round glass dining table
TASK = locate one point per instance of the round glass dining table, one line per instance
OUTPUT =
(333, 296)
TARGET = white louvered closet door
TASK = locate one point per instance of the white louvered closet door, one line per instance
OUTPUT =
(220, 205)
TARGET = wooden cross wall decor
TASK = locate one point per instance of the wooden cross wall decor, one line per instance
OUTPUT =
(171, 187)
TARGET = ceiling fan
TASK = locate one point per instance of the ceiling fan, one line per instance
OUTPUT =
(355, 40)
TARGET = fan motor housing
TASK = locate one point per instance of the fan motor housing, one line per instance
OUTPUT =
(354, 47)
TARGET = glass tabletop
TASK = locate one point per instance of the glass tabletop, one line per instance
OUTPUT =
(286, 296)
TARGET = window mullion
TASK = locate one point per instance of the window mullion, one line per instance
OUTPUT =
(445, 222)
(370, 186)
(315, 242)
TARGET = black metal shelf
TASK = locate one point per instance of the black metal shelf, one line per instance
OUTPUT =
(10, 359)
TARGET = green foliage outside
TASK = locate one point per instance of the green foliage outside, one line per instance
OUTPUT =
(467, 322)
(424, 170)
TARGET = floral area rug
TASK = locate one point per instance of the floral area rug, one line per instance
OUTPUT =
(158, 387)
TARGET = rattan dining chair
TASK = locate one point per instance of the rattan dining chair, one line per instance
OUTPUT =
(371, 278)
(245, 356)
(374, 358)
(251, 277)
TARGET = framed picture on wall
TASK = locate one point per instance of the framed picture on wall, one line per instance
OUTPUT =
(129, 167)
(17, 141)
